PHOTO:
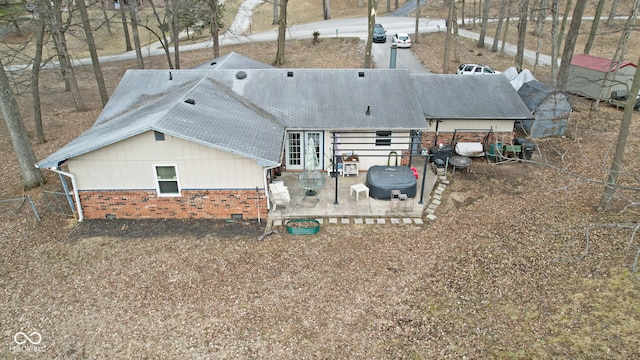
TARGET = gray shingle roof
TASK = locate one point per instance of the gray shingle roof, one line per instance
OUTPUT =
(452, 96)
(248, 115)
(233, 60)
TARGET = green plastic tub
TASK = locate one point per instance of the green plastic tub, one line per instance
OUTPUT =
(303, 226)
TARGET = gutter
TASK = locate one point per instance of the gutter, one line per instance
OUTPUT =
(75, 191)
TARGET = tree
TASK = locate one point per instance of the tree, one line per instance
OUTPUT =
(494, 46)
(31, 176)
(133, 13)
(372, 5)
(125, 27)
(35, 77)
(107, 21)
(163, 26)
(175, 33)
(570, 43)
(483, 26)
(555, 43)
(611, 184)
(447, 42)
(53, 11)
(275, 12)
(326, 9)
(542, 15)
(416, 36)
(612, 13)
(215, 24)
(282, 30)
(522, 33)
(594, 27)
(95, 62)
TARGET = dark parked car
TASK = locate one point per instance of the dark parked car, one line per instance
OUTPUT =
(379, 34)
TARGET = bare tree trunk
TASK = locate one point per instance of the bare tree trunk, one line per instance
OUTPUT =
(31, 176)
(456, 34)
(594, 27)
(522, 33)
(55, 25)
(35, 79)
(125, 27)
(447, 42)
(388, 7)
(107, 21)
(133, 13)
(463, 2)
(176, 33)
(496, 38)
(618, 157)
(164, 41)
(555, 43)
(570, 43)
(504, 33)
(416, 36)
(95, 62)
(565, 16)
(542, 14)
(612, 12)
(371, 21)
(275, 12)
(282, 31)
(326, 9)
(483, 25)
(215, 26)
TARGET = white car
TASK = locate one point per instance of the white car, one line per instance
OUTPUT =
(401, 40)
(475, 69)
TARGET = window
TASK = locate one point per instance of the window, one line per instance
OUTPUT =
(167, 180)
(383, 138)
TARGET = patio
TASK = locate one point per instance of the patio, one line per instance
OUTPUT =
(323, 204)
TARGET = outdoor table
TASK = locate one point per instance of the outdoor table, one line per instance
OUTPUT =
(310, 181)
(460, 162)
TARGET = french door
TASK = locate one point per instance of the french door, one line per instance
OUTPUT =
(297, 142)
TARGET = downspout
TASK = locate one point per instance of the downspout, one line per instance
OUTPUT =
(75, 191)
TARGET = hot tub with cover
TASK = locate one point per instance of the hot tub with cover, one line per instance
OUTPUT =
(382, 179)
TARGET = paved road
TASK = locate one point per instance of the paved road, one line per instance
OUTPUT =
(351, 27)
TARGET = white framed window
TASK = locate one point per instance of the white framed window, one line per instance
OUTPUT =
(167, 183)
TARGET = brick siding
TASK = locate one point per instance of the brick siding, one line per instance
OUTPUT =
(192, 204)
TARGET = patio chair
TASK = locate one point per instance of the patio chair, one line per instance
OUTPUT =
(279, 195)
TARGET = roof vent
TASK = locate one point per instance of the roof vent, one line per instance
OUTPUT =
(360, 73)
(241, 75)
(213, 63)
(190, 101)
(170, 76)
(289, 73)
(368, 112)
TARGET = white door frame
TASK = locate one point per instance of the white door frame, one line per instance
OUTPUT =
(295, 147)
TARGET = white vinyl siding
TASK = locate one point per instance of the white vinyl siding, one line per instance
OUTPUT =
(129, 165)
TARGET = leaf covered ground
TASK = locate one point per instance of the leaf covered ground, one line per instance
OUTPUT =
(508, 269)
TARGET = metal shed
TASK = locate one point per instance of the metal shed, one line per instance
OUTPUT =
(550, 107)
(587, 76)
